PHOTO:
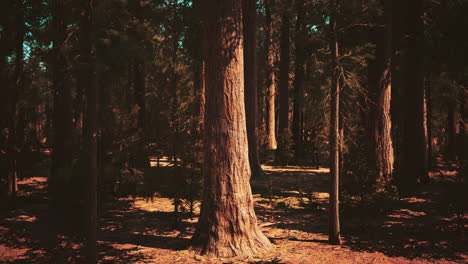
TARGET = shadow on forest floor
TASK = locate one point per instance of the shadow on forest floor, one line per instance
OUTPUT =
(423, 226)
(291, 205)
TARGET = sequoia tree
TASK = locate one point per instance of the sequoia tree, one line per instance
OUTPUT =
(228, 225)
(381, 125)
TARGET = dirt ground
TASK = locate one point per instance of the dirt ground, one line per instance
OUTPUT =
(291, 207)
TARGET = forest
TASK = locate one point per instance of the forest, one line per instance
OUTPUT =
(234, 131)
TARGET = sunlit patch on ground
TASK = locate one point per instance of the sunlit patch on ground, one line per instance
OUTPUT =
(291, 204)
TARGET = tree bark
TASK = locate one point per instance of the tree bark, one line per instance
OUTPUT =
(299, 77)
(227, 226)
(249, 8)
(380, 108)
(88, 75)
(428, 89)
(62, 112)
(284, 75)
(271, 84)
(413, 156)
(334, 228)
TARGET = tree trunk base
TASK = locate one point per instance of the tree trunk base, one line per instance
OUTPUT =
(249, 244)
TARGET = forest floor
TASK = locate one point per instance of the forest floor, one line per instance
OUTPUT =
(291, 207)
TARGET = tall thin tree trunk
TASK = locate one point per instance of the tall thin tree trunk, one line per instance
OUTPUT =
(334, 229)
(88, 75)
(271, 83)
(199, 93)
(227, 226)
(413, 159)
(200, 67)
(283, 127)
(428, 88)
(299, 77)
(249, 8)
(452, 124)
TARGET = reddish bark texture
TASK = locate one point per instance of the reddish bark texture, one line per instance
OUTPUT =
(381, 123)
(228, 225)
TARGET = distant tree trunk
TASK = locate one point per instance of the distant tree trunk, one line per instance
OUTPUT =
(271, 84)
(227, 226)
(78, 107)
(199, 68)
(283, 127)
(12, 149)
(88, 75)
(142, 160)
(199, 93)
(428, 88)
(299, 80)
(249, 8)
(380, 108)
(413, 158)
(139, 75)
(452, 127)
(425, 176)
(334, 232)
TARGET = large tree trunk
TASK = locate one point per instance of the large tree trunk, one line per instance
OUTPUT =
(398, 69)
(380, 108)
(413, 156)
(299, 80)
(88, 75)
(62, 113)
(270, 79)
(334, 228)
(227, 226)
(12, 148)
(283, 127)
(249, 8)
